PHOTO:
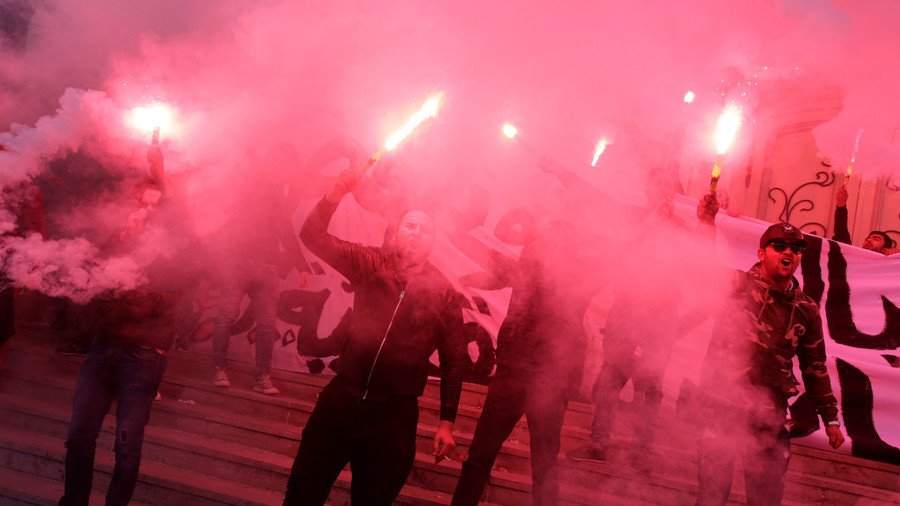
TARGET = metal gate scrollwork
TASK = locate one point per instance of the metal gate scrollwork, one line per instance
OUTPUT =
(823, 179)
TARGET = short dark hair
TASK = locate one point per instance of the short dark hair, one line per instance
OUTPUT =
(888, 242)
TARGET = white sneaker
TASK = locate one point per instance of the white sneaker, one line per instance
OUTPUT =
(220, 379)
(264, 386)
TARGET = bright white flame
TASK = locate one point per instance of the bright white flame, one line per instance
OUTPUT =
(428, 110)
(145, 119)
(727, 127)
(689, 97)
(598, 150)
(510, 130)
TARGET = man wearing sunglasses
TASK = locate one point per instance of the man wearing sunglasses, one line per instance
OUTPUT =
(748, 377)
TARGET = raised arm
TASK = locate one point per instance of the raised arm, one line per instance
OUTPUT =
(352, 260)
(841, 231)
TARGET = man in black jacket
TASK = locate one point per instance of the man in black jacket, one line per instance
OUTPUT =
(404, 309)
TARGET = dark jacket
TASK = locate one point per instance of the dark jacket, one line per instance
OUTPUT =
(755, 338)
(428, 317)
(841, 231)
(146, 315)
(553, 283)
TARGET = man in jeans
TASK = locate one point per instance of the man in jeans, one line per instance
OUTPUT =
(134, 330)
(251, 260)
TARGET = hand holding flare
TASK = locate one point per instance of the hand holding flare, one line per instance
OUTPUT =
(726, 130)
(428, 110)
(348, 179)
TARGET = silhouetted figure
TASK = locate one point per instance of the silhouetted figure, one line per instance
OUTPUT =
(540, 351)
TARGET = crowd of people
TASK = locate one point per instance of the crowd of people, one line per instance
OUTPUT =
(404, 309)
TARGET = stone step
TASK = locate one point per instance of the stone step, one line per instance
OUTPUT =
(283, 439)
(242, 400)
(247, 465)
(23, 489)
(183, 367)
(513, 459)
(40, 459)
(158, 484)
(676, 460)
(611, 477)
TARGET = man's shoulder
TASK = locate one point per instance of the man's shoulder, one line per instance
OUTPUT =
(806, 302)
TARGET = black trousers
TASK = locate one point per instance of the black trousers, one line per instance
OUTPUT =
(376, 436)
(759, 438)
(510, 395)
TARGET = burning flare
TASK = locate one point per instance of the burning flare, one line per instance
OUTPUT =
(428, 110)
(853, 156)
(689, 97)
(509, 130)
(151, 119)
(727, 127)
(598, 150)
(726, 130)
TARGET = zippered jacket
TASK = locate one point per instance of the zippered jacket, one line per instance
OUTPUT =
(392, 336)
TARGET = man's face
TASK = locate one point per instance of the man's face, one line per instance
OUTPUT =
(780, 259)
(874, 243)
(415, 237)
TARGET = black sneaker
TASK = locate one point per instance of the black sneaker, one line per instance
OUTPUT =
(590, 452)
(71, 349)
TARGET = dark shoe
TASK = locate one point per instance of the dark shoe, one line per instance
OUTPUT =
(590, 452)
(71, 349)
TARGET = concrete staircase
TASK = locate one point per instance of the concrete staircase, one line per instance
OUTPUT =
(207, 445)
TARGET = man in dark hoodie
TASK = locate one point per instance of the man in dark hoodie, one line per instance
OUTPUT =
(540, 350)
(748, 377)
(134, 331)
(404, 309)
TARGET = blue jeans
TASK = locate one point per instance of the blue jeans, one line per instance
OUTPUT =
(260, 282)
(130, 375)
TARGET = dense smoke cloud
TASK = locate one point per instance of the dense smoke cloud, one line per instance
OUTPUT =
(243, 78)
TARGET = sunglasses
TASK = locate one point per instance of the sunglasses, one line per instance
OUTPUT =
(780, 246)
